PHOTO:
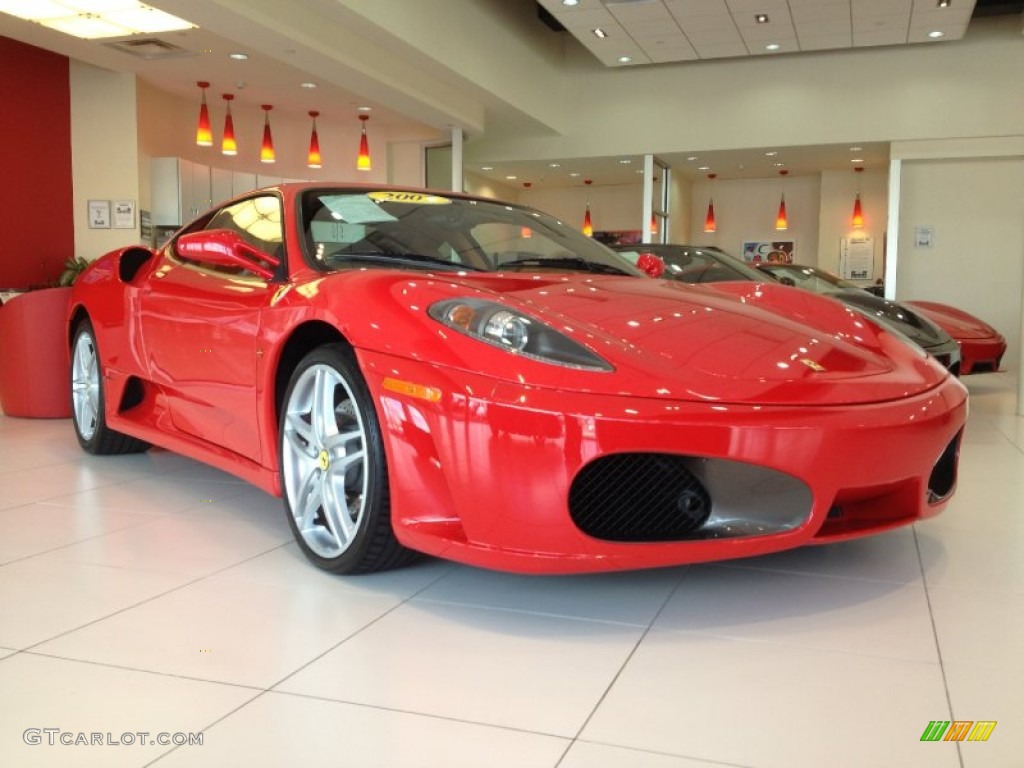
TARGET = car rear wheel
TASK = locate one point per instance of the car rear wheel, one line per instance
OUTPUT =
(87, 399)
(333, 469)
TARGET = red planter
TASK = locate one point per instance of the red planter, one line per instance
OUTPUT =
(34, 366)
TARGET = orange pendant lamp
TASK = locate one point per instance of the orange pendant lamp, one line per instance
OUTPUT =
(204, 136)
(363, 161)
(267, 147)
(588, 227)
(781, 220)
(313, 159)
(228, 146)
(709, 220)
(857, 220)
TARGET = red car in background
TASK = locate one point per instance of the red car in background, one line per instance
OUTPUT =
(981, 346)
(422, 372)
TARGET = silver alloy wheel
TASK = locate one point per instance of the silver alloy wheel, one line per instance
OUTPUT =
(85, 385)
(323, 460)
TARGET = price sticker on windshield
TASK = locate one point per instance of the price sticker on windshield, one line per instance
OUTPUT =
(413, 198)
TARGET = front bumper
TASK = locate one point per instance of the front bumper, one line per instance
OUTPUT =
(482, 470)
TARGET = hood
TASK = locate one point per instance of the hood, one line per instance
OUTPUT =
(752, 343)
(956, 322)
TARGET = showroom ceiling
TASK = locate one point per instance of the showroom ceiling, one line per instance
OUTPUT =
(278, 63)
(635, 32)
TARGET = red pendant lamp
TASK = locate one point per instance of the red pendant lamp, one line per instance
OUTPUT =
(857, 220)
(313, 159)
(363, 161)
(228, 146)
(709, 220)
(267, 147)
(204, 136)
(588, 227)
(782, 221)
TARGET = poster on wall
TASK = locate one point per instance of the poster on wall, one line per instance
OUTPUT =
(857, 258)
(771, 252)
(99, 214)
(124, 214)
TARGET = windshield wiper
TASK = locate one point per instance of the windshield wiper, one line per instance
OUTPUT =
(415, 259)
(564, 262)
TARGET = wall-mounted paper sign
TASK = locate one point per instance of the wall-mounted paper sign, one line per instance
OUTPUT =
(857, 258)
(924, 237)
(99, 214)
(124, 214)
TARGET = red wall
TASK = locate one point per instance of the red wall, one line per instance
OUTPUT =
(37, 233)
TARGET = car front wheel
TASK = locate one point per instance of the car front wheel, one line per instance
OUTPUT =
(333, 469)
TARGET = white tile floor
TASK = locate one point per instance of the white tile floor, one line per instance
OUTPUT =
(152, 594)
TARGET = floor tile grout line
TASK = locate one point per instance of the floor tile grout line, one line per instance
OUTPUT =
(622, 667)
(150, 599)
(938, 645)
(702, 760)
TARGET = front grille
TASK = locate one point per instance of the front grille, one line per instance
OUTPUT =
(639, 497)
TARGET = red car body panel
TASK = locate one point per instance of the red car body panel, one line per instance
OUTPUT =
(981, 346)
(482, 473)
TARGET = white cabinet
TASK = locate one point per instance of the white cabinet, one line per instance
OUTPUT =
(242, 182)
(181, 190)
(221, 187)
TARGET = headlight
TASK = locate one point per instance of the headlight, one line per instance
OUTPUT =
(515, 332)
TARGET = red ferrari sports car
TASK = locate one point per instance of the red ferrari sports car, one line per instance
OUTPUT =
(981, 346)
(420, 372)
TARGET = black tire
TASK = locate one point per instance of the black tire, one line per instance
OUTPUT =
(334, 475)
(88, 401)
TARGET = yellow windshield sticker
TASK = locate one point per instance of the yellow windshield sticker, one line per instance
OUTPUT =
(413, 198)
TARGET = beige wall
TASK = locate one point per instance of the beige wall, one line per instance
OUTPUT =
(104, 155)
(976, 207)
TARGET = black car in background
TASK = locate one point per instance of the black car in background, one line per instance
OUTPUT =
(698, 264)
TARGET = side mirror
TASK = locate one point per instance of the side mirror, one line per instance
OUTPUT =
(225, 248)
(651, 264)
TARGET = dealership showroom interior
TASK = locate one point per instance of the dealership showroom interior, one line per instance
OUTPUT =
(527, 383)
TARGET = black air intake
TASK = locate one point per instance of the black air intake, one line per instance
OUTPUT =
(639, 497)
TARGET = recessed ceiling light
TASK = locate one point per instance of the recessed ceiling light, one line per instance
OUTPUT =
(691, 158)
(598, 32)
(856, 149)
(936, 33)
(511, 178)
(704, 168)
(554, 165)
(574, 175)
(625, 161)
(238, 56)
(778, 165)
(364, 109)
(771, 154)
(570, 3)
(307, 85)
(772, 47)
(761, 18)
(624, 59)
(943, 3)
(857, 160)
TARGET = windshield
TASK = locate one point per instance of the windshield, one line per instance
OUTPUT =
(693, 264)
(345, 229)
(811, 279)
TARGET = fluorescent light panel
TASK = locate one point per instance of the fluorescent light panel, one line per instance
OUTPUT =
(90, 19)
